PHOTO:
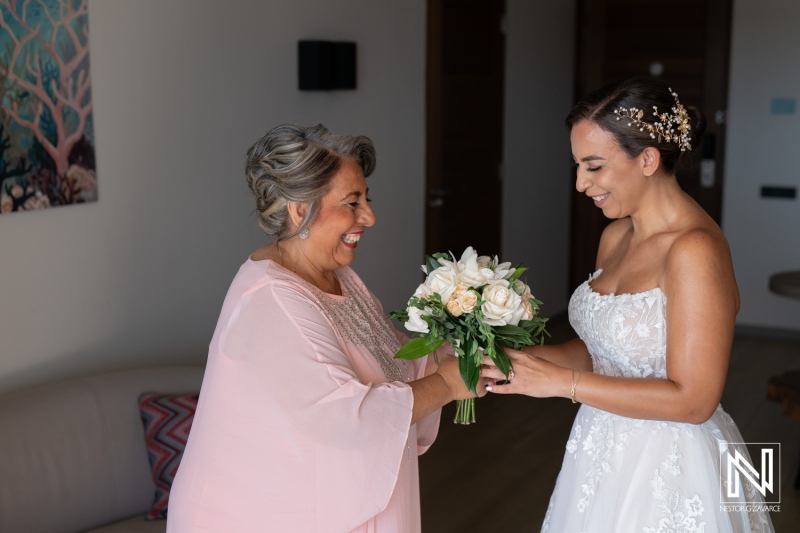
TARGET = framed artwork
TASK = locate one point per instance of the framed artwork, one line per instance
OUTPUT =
(46, 130)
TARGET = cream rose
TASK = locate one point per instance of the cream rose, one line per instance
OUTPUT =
(454, 306)
(468, 301)
(528, 310)
(501, 305)
(484, 261)
(443, 281)
(415, 322)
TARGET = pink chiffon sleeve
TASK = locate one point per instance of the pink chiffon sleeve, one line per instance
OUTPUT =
(339, 442)
(428, 427)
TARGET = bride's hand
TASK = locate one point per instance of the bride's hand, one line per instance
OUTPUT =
(533, 376)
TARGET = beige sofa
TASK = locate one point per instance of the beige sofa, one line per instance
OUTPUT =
(73, 456)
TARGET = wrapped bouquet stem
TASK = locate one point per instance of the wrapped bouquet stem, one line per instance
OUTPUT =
(478, 305)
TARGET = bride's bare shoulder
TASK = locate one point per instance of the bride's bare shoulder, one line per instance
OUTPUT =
(700, 257)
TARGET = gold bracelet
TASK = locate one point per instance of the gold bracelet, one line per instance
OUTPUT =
(574, 384)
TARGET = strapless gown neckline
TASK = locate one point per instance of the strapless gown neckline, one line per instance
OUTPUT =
(624, 475)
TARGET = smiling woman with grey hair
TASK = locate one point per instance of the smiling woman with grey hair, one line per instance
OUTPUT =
(305, 421)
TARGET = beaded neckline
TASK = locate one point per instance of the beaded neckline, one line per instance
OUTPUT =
(359, 322)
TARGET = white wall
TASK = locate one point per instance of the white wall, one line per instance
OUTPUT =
(181, 89)
(762, 149)
(540, 47)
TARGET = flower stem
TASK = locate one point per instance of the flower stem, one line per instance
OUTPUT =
(465, 411)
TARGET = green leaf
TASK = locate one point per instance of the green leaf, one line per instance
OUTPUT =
(501, 359)
(510, 331)
(418, 347)
(517, 273)
(431, 264)
(470, 372)
(400, 315)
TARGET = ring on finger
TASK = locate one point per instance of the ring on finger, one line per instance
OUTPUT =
(511, 375)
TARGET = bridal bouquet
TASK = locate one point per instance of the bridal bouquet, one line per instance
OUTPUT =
(476, 303)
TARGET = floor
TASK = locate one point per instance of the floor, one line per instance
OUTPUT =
(496, 476)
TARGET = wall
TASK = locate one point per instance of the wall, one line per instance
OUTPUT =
(181, 89)
(536, 168)
(764, 234)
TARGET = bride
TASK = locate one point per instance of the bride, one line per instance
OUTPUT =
(656, 322)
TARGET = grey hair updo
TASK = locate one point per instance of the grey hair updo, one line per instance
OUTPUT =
(293, 163)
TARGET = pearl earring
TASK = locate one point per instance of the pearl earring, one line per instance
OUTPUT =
(304, 234)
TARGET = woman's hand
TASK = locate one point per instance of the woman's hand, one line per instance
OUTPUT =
(448, 370)
(441, 387)
(533, 376)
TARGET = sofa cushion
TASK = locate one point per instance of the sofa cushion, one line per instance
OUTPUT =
(73, 452)
(167, 420)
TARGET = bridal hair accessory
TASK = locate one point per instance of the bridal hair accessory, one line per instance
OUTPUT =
(304, 234)
(665, 125)
(574, 384)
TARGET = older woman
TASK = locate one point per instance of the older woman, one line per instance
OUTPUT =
(305, 421)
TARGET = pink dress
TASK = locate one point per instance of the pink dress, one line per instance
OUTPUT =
(303, 419)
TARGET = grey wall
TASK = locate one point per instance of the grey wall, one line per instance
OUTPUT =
(181, 89)
(537, 176)
(764, 234)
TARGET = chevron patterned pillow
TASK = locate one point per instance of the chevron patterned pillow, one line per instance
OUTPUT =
(167, 419)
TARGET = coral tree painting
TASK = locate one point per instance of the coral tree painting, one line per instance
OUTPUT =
(46, 132)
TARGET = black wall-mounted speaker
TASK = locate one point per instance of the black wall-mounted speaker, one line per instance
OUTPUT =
(326, 65)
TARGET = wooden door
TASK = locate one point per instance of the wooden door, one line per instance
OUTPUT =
(464, 122)
(687, 43)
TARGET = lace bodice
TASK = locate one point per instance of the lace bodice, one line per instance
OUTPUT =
(625, 475)
(624, 333)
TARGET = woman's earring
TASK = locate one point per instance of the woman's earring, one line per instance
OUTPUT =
(304, 234)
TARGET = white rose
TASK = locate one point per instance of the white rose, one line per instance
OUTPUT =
(468, 261)
(501, 305)
(454, 306)
(468, 301)
(502, 270)
(471, 278)
(488, 274)
(484, 261)
(415, 322)
(443, 281)
(423, 291)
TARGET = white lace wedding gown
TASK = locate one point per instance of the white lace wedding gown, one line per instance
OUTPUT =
(625, 475)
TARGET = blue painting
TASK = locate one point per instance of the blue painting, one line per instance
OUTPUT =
(46, 132)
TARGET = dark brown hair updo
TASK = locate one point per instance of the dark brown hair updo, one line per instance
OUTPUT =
(293, 163)
(640, 92)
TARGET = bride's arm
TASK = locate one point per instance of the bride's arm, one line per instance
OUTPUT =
(702, 302)
(570, 354)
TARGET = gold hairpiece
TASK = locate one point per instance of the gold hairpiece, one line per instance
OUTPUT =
(665, 125)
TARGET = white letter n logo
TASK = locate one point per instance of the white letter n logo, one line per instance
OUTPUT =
(737, 461)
